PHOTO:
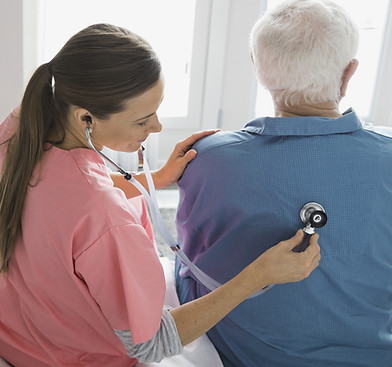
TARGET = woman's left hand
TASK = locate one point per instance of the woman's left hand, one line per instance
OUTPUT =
(182, 154)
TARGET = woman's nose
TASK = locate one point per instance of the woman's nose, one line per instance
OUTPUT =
(155, 126)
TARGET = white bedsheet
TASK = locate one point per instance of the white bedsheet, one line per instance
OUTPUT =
(4, 363)
(201, 352)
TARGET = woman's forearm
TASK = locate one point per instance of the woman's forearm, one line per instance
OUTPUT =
(195, 318)
(277, 265)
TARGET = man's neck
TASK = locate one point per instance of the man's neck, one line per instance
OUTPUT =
(325, 109)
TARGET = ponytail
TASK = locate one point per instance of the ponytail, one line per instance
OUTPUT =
(100, 68)
(24, 151)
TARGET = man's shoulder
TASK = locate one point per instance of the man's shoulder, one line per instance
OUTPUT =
(221, 139)
(384, 131)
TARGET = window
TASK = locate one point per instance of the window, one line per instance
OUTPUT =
(370, 18)
(154, 20)
(180, 42)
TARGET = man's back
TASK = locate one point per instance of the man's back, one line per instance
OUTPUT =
(243, 194)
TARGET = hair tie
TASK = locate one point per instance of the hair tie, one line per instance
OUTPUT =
(52, 81)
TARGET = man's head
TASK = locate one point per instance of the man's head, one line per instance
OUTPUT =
(303, 50)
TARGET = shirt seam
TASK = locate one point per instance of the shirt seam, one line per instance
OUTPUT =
(249, 138)
(94, 195)
(110, 229)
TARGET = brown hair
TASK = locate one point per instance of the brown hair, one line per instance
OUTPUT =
(98, 69)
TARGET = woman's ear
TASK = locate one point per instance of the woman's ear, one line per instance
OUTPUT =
(82, 117)
(347, 74)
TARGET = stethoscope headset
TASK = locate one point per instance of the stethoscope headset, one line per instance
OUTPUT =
(312, 215)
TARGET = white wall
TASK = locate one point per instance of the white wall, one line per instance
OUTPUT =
(239, 87)
(230, 84)
(381, 112)
(11, 60)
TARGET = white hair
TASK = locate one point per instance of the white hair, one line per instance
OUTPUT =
(301, 48)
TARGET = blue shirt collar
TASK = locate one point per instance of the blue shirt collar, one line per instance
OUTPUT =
(308, 125)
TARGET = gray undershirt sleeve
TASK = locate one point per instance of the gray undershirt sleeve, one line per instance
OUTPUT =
(165, 343)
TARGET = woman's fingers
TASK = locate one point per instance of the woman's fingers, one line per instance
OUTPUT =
(187, 143)
(294, 241)
(313, 249)
(181, 155)
(282, 265)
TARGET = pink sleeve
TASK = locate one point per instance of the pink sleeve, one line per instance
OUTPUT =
(125, 277)
(139, 203)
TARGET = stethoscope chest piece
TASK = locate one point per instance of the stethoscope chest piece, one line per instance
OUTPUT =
(313, 216)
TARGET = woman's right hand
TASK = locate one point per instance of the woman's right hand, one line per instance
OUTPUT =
(280, 264)
(181, 155)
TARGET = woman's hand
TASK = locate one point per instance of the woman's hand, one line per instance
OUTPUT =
(170, 173)
(280, 264)
(277, 265)
(182, 154)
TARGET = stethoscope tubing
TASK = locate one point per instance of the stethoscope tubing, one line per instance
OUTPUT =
(158, 221)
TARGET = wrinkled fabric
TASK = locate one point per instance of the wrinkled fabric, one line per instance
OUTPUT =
(163, 344)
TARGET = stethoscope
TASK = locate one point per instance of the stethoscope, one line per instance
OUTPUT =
(313, 216)
(310, 214)
(157, 219)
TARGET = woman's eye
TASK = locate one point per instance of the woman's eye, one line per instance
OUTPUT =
(144, 123)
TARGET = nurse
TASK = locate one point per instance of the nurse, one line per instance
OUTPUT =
(81, 283)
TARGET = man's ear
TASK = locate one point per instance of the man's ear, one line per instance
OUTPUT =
(253, 61)
(347, 74)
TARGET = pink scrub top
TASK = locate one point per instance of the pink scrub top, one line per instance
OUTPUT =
(84, 265)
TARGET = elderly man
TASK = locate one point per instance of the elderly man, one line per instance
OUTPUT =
(244, 191)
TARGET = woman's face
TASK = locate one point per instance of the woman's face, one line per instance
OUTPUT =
(127, 130)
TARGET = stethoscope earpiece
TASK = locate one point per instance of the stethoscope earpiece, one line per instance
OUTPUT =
(88, 119)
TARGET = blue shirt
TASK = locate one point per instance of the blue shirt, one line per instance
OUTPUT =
(243, 193)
